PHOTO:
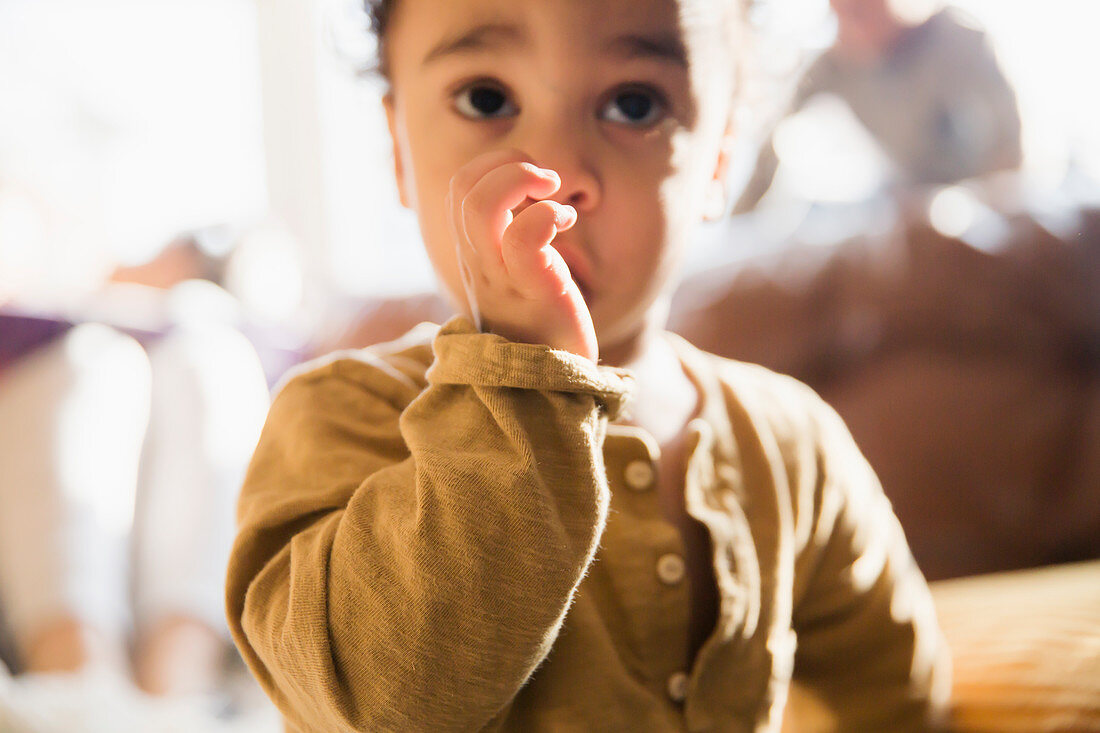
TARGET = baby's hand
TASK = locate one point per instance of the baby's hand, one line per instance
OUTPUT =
(517, 284)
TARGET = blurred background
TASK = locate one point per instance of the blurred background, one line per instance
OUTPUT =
(196, 195)
(126, 122)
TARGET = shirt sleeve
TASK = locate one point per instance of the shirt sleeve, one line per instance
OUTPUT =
(868, 642)
(406, 556)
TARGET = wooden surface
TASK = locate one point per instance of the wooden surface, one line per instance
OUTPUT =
(1026, 649)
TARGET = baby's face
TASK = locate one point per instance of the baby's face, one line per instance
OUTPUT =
(627, 100)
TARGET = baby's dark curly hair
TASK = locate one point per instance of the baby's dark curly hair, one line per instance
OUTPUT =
(379, 13)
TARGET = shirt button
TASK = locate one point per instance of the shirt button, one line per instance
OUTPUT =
(678, 686)
(639, 475)
(670, 569)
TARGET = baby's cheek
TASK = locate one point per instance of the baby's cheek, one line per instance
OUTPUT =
(440, 245)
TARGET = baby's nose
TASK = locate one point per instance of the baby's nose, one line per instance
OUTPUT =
(579, 198)
(579, 186)
(580, 195)
(563, 149)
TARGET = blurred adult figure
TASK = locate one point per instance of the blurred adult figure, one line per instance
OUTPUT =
(73, 412)
(120, 460)
(208, 401)
(932, 95)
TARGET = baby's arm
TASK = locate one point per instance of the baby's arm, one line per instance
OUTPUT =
(407, 554)
(868, 639)
(407, 566)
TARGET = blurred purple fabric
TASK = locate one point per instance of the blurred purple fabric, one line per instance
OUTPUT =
(22, 333)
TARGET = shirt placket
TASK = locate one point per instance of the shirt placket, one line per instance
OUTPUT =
(643, 555)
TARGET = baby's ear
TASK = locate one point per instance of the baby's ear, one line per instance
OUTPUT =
(718, 189)
(398, 160)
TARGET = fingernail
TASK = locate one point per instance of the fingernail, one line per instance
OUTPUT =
(568, 217)
(549, 174)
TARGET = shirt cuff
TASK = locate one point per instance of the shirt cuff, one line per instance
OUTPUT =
(463, 355)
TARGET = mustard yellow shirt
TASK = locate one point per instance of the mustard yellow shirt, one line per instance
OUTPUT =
(446, 534)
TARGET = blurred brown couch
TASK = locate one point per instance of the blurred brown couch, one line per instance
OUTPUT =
(969, 377)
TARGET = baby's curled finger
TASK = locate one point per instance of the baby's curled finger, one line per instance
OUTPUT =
(475, 170)
(526, 248)
(460, 186)
(487, 208)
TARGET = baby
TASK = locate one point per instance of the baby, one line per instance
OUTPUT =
(550, 514)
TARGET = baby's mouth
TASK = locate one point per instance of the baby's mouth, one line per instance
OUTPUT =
(579, 275)
(585, 292)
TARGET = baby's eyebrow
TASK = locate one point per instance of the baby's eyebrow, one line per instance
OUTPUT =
(479, 37)
(666, 47)
(661, 47)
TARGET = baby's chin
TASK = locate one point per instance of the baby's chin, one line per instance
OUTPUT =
(621, 339)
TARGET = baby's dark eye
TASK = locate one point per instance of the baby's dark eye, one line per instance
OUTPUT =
(637, 107)
(483, 101)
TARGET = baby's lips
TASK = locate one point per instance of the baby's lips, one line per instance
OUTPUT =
(576, 270)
